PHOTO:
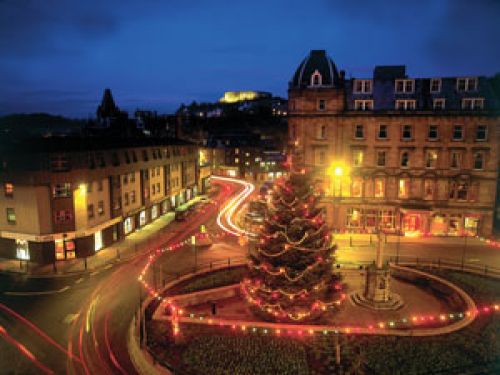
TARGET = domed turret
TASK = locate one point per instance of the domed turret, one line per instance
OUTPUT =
(316, 70)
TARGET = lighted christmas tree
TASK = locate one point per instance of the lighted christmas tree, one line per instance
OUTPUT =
(291, 275)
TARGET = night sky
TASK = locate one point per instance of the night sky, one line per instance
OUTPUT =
(57, 56)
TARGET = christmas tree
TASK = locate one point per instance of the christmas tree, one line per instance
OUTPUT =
(291, 269)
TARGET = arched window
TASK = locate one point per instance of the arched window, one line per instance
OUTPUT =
(316, 79)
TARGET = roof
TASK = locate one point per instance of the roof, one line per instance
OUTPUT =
(316, 62)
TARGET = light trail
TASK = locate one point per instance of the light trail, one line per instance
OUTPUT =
(230, 208)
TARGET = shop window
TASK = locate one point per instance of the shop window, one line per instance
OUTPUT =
(471, 225)
(386, 219)
(22, 250)
(128, 225)
(357, 187)
(478, 160)
(98, 244)
(353, 218)
(404, 188)
(431, 157)
(380, 158)
(429, 189)
(59, 249)
(8, 189)
(370, 218)
(379, 188)
(70, 249)
(142, 218)
(154, 212)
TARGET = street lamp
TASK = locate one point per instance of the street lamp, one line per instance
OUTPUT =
(337, 172)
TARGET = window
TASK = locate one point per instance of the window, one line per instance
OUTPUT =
(132, 197)
(321, 105)
(90, 211)
(90, 187)
(99, 185)
(125, 179)
(125, 199)
(379, 188)
(22, 249)
(405, 159)
(153, 172)
(158, 186)
(62, 216)
(466, 84)
(478, 160)
(405, 86)
(380, 158)
(8, 189)
(321, 159)
(158, 170)
(438, 104)
(145, 155)
(353, 218)
(59, 163)
(316, 79)
(134, 156)
(321, 132)
(132, 177)
(470, 104)
(404, 188)
(363, 105)
(61, 190)
(481, 132)
(11, 215)
(100, 208)
(462, 191)
(429, 187)
(455, 159)
(432, 133)
(458, 133)
(382, 132)
(98, 244)
(431, 159)
(236, 160)
(435, 85)
(405, 105)
(362, 86)
(407, 132)
(357, 158)
(357, 187)
(359, 132)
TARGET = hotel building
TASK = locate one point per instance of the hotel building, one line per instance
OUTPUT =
(394, 152)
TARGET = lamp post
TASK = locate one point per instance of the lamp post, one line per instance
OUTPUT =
(398, 228)
(464, 249)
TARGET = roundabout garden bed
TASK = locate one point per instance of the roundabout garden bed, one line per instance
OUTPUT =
(209, 350)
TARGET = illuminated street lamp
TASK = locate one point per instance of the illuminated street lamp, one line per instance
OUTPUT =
(338, 172)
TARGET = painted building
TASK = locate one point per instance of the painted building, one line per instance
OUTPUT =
(69, 198)
(394, 152)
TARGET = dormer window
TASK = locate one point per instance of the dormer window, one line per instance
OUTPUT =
(316, 79)
(472, 103)
(435, 85)
(405, 86)
(466, 84)
(362, 86)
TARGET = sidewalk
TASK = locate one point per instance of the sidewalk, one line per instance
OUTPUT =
(152, 235)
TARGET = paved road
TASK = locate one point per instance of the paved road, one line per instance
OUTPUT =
(80, 323)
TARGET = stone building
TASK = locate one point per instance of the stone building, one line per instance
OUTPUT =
(394, 152)
(64, 198)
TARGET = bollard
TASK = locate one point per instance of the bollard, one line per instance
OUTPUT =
(85, 262)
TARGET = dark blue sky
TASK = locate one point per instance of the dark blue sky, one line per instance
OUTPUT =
(58, 55)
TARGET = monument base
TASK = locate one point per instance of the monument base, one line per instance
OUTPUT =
(377, 294)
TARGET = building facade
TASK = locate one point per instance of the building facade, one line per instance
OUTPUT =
(70, 198)
(395, 153)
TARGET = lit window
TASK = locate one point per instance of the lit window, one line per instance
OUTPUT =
(357, 187)
(405, 104)
(478, 160)
(321, 105)
(359, 132)
(236, 160)
(435, 85)
(407, 132)
(481, 132)
(431, 159)
(357, 158)
(404, 188)
(22, 250)
(432, 133)
(11, 215)
(316, 79)
(142, 218)
(353, 218)
(438, 104)
(458, 133)
(363, 105)
(61, 190)
(8, 189)
(405, 159)
(132, 196)
(379, 190)
(380, 158)
(382, 132)
(405, 86)
(100, 208)
(98, 244)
